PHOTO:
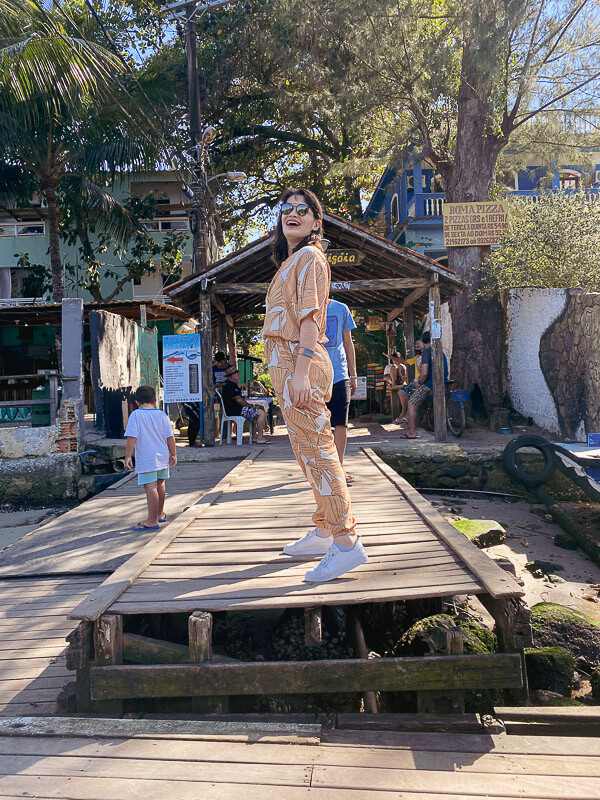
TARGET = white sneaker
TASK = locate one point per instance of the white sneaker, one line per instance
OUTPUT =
(311, 544)
(336, 562)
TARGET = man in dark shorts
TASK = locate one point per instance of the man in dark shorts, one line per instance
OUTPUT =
(343, 358)
(423, 385)
(236, 405)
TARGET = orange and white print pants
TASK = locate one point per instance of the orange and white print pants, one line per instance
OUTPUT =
(310, 434)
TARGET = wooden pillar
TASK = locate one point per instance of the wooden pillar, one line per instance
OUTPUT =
(313, 626)
(231, 341)
(513, 629)
(221, 332)
(108, 645)
(439, 701)
(200, 625)
(144, 316)
(437, 363)
(360, 647)
(208, 411)
(409, 331)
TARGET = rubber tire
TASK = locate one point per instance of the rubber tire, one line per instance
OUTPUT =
(457, 421)
(515, 472)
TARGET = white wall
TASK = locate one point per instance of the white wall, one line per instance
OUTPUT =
(529, 313)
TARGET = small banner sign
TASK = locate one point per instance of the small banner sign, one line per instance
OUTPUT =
(182, 374)
(474, 224)
(336, 257)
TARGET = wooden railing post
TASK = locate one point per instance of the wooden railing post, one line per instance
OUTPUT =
(108, 646)
(200, 626)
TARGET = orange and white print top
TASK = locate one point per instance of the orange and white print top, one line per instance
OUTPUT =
(299, 289)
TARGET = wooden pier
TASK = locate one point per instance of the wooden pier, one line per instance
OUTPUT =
(101, 759)
(224, 554)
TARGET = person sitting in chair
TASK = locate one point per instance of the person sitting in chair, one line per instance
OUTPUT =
(237, 406)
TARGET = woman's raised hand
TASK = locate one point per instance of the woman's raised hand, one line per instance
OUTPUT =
(300, 391)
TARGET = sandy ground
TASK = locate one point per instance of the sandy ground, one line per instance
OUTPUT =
(530, 537)
(16, 524)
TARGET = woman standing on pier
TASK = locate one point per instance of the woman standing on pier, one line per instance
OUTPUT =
(302, 375)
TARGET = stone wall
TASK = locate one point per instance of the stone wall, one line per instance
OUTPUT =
(39, 466)
(553, 357)
(448, 466)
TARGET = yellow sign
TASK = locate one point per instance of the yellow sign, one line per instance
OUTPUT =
(373, 324)
(344, 257)
(468, 224)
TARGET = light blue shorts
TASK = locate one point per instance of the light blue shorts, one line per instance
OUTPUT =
(150, 477)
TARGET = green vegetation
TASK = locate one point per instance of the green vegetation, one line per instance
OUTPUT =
(554, 243)
(550, 668)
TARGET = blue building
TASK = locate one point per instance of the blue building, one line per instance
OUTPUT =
(409, 200)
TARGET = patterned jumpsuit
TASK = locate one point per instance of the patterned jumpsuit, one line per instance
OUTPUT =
(300, 289)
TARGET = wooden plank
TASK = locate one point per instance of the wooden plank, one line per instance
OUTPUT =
(283, 677)
(374, 285)
(584, 714)
(280, 567)
(199, 752)
(333, 598)
(463, 784)
(144, 650)
(177, 729)
(497, 582)
(102, 597)
(82, 788)
(292, 585)
(175, 771)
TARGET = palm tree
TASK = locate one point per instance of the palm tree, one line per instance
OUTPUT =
(51, 80)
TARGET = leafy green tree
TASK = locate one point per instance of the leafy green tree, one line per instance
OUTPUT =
(289, 108)
(471, 76)
(554, 243)
(50, 79)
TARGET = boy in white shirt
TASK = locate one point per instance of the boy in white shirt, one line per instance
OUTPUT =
(149, 431)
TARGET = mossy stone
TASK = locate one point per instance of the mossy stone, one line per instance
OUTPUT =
(595, 683)
(564, 541)
(542, 697)
(550, 668)
(482, 532)
(556, 625)
(429, 636)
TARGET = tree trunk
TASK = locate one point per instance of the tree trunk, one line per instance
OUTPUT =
(478, 357)
(48, 188)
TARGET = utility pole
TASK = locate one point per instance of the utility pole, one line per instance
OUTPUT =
(199, 212)
(200, 218)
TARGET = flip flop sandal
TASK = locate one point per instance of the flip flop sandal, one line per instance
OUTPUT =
(141, 527)
(164, 519)
(406, 436)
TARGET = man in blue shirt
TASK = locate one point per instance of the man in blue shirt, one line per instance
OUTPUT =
(343, 358)
(423, 385)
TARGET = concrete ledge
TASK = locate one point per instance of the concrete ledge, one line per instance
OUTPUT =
(39, 481)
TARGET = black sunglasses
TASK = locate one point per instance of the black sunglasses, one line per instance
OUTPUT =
(301, 209)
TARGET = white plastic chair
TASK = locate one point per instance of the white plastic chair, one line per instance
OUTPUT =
(239, 423)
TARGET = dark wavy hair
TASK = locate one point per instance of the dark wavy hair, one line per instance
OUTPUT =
(280, 245)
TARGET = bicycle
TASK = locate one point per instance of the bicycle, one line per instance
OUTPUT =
(456, 418)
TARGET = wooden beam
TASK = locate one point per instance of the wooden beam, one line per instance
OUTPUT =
(496, 581)
(409, 332)
(412, 298)
(221, 332)
(437, 364)
(373, 285)
(306, 677)
(208, 411)
(219, 304)
(144, 650)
